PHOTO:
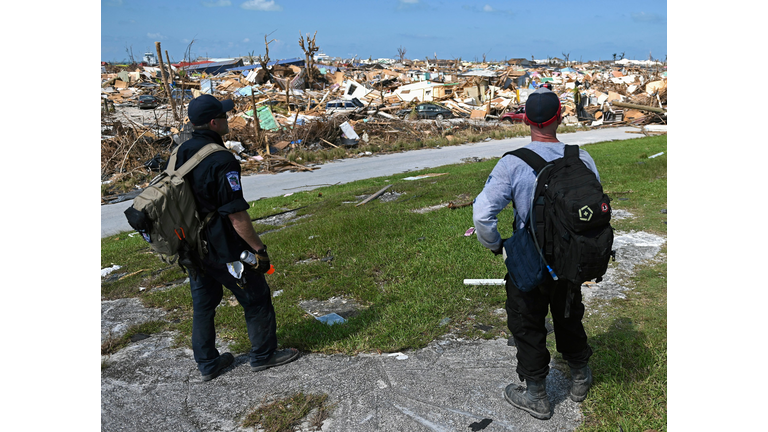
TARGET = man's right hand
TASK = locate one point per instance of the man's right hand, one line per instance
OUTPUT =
(262, 261)
(500, 250)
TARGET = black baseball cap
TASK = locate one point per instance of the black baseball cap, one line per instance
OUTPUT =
(542, 107)
(205, 108)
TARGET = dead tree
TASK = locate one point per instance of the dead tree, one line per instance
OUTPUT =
(165, 82)
(401, 53)
(263, 60)
(309, 52)
(566, 56)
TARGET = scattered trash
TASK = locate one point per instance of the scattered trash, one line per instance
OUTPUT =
(142, 289)
(478, 426)
(398, 356)
(331, 319)
(106, 271)
(423, 176)
(277, 293)
(234, 145)
(469, 232)
(444, 321)
(656, 155)
(288, 194)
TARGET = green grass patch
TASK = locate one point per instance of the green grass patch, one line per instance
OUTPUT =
(405, 265)
(284, 415)
(630, 360)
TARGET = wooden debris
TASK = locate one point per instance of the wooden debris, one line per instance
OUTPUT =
(374, 196)
(451, 205)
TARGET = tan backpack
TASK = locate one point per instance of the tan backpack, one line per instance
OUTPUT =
(165, 213)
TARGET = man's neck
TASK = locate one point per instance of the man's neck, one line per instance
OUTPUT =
(537, 135)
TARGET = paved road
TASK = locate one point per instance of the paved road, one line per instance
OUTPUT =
(349, 170)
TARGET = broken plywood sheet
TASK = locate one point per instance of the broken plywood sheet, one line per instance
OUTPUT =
(613, 96)
(655, 86)
(336, 78)
(477, 114)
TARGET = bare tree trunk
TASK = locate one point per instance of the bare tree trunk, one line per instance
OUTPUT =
(181, 106)
(165, 81)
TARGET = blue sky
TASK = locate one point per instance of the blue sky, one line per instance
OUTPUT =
(585, 30)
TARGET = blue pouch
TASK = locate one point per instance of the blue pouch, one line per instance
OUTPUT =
(526, 268)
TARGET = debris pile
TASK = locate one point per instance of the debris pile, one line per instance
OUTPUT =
(283, 108)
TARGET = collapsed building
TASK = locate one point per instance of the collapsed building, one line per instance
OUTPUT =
(286, 105)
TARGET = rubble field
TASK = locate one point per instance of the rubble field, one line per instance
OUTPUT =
(286, 119)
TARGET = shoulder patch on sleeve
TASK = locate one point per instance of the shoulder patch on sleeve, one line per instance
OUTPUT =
(233, 178)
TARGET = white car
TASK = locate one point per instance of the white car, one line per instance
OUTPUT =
(340, 105)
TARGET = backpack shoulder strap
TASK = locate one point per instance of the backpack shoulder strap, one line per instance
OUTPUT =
(530, 157)
(194, 160)
(571, 151)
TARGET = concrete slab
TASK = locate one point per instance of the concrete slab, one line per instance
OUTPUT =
(444, 387)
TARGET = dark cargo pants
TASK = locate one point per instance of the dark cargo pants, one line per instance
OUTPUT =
(525, 318)
(257, 306)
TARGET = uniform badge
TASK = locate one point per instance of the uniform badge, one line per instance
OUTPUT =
(234, 180)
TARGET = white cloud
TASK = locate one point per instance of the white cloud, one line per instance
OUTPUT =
(646, 17)
(155, 36)
(246, 40)
(487, 8)
(261, 5)
(218, 3)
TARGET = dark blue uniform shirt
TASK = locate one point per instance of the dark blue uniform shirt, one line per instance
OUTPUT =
(217, 188)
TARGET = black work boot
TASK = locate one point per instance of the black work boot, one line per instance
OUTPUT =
(582, 380)
(534, 399)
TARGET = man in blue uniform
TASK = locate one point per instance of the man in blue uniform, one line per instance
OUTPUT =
(512, 181)
(216, 185)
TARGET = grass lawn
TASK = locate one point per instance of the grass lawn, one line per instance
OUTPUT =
(404, 266)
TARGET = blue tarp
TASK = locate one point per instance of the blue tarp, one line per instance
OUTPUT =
(214, 68)
(294, 61)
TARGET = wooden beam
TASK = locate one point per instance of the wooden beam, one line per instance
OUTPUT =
(374, 196)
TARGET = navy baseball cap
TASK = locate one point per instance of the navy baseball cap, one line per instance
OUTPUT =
(542, 107)
(205, 108)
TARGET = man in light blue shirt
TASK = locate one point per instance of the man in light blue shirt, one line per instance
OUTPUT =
(512, 180)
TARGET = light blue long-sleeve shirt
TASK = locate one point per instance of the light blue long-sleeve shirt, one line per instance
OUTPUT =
(512, 179)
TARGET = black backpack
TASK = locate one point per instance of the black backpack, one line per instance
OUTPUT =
(570, 217)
